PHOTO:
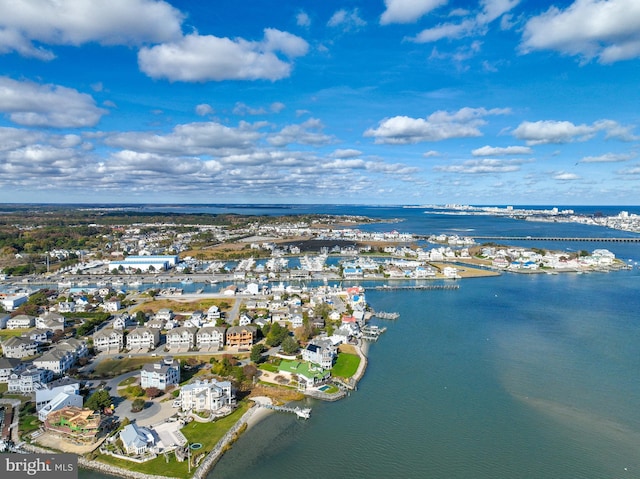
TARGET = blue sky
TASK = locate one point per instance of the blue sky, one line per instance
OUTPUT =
(320, 101)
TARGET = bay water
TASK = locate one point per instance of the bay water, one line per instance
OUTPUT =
(516, 376)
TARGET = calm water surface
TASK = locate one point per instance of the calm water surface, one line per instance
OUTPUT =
(518, 376)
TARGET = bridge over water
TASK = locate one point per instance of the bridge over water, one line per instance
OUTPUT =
(632, 239)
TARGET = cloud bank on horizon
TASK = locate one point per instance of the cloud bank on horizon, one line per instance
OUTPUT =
(385, 101)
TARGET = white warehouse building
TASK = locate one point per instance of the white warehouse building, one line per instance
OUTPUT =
(145, 263)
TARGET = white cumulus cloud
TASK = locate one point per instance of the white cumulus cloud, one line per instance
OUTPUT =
(408, 11)
(500, 151)
(564, 176)
(204, 109)
(440, 125)
(33, 104)
(608, 30)
(484, 166)
(471, 25)
(347, 20)
(551, 131)
(199, 58)
(608, 158)
(76, 22)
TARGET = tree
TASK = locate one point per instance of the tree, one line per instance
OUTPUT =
(140, 318)
(250, 371)
(152, 392)
(276, 334)
(137, 405)
(290, 345)
(99, 400)
(256, 353)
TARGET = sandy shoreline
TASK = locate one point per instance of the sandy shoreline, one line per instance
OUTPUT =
(259, 414)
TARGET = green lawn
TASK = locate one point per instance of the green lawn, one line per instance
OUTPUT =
(128, 381)
(207, 434)
(8, 333)
(115, 367)
(272, 368)
(346, 365)
(28, 421)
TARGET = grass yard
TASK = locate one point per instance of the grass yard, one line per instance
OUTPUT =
(115, 367)
(272, 368)
(28, 419)
(207, 434)
(9, 333)
(346, 365)
(184, 306)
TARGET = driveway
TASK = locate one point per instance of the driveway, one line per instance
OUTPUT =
(155, 411)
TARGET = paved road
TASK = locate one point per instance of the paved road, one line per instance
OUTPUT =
(155, 411)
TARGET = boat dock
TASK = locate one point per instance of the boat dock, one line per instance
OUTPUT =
(386, 315)
(303, 413)
(372, 333)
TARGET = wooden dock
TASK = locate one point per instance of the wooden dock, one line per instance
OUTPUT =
(303, 413)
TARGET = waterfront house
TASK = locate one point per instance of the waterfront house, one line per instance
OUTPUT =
(320, 352)
(109, 340)
(160, 375)
(241, 336)
(306, 373)
(21, 321)
(136, 440)
(143, 339)
(181, 338)
(210, 396)
(210, 338)
(16, 347)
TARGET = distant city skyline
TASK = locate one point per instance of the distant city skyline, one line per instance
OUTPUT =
(340, 102)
